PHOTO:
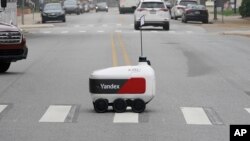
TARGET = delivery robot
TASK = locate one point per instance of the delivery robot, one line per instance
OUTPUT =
(123, 86)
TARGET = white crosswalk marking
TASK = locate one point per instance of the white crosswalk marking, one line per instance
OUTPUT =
(248, 110)
(189, 32)
(118, 24)
(46, 32)
(127, 117)
(100, 31)
(119, 31)
(172, 32)
(195, 115)
(56, 113)
(154, 31)
(82, 31)
(64, 32)
(2, 107)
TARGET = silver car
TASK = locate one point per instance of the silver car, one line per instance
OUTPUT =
(156, 14)
(180, 5)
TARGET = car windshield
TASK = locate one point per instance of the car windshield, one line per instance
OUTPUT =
(52, 6)
(101, 4)
(193, 6)
(70, 3)
(152, 5)
(185, 3)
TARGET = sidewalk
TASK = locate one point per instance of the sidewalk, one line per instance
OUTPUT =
(31, 21)
(229, 25)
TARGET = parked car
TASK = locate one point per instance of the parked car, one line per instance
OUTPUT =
(53, 12)
(177, 10)
(102, 6)
(155, 12)
(12, 46)
(71, 6)
(195, 13)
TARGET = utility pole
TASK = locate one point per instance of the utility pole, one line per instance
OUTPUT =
(235, 2)
(215, 9)
(22, 12)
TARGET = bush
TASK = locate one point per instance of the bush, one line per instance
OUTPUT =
(244, 9)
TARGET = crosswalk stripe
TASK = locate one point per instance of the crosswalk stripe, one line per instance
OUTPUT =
(2, 107)
(248, 110)
(172, 32)
(64, 32)
(118, 31)
(118, 24)
(82, 31)
(46, 32)
(195, 115)
(189, 32)
(56, 113)
(127, 117)
(100, 31)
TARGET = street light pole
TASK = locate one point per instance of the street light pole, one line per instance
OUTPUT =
(23, 12)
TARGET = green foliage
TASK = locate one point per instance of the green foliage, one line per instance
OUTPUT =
(245, 8)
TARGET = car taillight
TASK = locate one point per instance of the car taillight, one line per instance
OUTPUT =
(141, 9)
(164, 9)
(180, 8)
(188, 11)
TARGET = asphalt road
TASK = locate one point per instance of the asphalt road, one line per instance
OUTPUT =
(203, 82)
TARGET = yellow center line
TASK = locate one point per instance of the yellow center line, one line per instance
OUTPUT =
(114, 55)
(124, 51)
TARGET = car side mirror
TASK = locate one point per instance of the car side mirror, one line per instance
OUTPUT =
(3, 3)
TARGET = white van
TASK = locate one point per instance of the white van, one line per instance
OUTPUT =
(127, 6)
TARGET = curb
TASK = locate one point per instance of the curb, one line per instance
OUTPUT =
(243, 33)
(36, 26)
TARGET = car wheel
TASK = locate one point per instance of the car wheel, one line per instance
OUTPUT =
(205, 21)
(136, 25)
(138, 106)
(64, 20)
(184, 19)
(101, 105)
(120, 105)
(166, 26)
(4, 66)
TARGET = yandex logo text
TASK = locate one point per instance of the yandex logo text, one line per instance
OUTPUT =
(112, 86)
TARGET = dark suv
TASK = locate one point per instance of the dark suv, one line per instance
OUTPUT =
(71, 6)
(12, 46)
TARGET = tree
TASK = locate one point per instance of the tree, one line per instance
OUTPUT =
(244, 9)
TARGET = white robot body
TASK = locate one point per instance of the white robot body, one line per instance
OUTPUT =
(123, 86)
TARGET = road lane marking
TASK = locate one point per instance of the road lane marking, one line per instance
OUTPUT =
(118, 24)
(127, 117)
(195, 115)
(172, 32)
(64, 32)
(2, 107)
(76, 25)
(189, 32)
(56, 113)
(82, 31)
(114, 55)
(124, 51)
(118, 31)
(248, 110)
(100, 31)
(46, 32)
(154, 31)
